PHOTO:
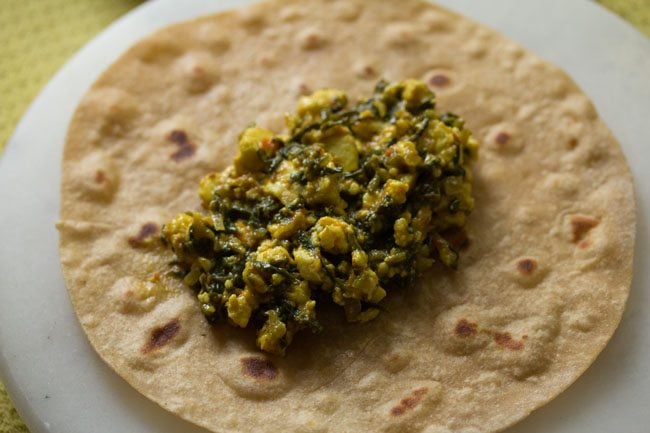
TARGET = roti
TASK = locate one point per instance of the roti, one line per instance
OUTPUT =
(539, 290)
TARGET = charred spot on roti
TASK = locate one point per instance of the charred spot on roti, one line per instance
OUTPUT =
(303, 89)
(439, 80)
(100, 176)
(299, 86)
(396, 361)
(526, 266)
(311, 38)
(572, 143)
(368, 71)
(581, 225)
(365, 70)
(526, 271)
(162, 335)
(186, 149)
(251, 375)
(259, 368)
(532, 352)
(519, 344)
(442, 79)
(147, 230)
(502, 138)
(408, 403)
(457, 331)
(505, 340)
(465, 329)
(96, 178)
(198, 71)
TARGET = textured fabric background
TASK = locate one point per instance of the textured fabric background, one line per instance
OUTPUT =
(38, 36)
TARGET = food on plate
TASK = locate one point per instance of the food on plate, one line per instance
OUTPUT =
(350, 203)
(546, 256)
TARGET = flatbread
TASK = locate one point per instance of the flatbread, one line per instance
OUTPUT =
(540, 289)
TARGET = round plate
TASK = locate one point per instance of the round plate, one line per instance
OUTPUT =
(59, 384)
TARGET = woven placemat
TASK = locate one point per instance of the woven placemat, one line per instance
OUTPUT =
(38, 36)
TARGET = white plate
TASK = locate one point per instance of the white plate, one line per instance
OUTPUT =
(58, 383)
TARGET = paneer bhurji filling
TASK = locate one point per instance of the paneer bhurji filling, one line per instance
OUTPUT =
(353, 202)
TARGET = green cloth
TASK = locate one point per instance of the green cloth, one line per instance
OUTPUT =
(636, 12)
(40, 35)
(9, 420)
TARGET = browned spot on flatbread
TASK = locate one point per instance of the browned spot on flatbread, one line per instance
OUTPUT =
(527, 266)
(365, 71)
(504, 339)
(502, 138)
(581, 225)
(147, 230)
(162, 335)
(572, 143)
(259, 368)
(304, 89)
(100, 176)
(464, 328)
(186, 149)
(439, 80)
(409, 402)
